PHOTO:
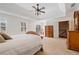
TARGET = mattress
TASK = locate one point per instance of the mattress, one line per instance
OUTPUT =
(32, 51)
(21, 44)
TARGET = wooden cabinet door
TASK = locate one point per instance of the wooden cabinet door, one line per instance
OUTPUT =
(76, 20)
(49, 31)
(73, 40)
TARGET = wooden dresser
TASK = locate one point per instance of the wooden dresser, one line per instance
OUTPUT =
(49, 31)
(73, 36)
(73, 40)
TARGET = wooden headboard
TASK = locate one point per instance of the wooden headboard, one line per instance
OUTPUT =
(32, 32)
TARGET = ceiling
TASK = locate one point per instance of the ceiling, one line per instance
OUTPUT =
(52, 10)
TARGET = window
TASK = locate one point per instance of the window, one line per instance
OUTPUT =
(38, 29)
(3, 23)
(23, 26)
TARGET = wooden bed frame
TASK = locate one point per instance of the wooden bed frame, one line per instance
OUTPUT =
(32, 32)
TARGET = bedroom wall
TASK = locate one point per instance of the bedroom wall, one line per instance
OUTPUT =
(42, 23)
(32, 25)
(55, 26)
(68, 17)
(13, 24)
(39, 22)
(55, 23)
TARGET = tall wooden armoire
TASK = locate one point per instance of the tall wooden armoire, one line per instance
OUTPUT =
(73, 37)
(49, 31)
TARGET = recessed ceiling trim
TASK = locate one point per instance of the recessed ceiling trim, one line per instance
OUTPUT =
(12, 14)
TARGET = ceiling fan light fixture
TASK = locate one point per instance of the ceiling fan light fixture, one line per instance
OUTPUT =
(38, 10)
(37, 4)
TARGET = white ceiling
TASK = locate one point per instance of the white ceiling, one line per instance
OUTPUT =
(52, 10)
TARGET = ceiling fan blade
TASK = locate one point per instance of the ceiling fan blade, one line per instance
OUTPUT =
(42, 8)
(42, 11)
(34, 7)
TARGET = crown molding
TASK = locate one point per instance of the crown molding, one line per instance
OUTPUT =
(12, 14)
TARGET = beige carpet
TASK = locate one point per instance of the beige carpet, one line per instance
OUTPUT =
(55, 46)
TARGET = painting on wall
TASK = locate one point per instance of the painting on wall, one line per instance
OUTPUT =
(23, 26)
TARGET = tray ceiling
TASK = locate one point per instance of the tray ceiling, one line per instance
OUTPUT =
(52, 10)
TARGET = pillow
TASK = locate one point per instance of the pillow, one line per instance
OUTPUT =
(31, 32)
(2, 39)
(5, 36)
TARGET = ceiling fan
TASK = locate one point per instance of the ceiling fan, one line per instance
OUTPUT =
(38, 10)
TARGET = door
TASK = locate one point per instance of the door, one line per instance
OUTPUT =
(49, 31)
(63, 28)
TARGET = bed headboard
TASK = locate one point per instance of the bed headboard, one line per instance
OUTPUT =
(32, 32)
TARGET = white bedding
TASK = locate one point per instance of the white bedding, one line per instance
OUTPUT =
(20, 44)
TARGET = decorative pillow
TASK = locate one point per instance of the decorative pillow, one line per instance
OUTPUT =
(2, 39)
(5, 36)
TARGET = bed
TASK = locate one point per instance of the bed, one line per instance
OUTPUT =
(21, 44)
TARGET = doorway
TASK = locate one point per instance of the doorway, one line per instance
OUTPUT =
(49, 31)
(63, 28)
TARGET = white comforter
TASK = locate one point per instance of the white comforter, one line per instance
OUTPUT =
(19, 44)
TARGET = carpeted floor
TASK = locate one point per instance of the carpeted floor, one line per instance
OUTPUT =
(55, 46)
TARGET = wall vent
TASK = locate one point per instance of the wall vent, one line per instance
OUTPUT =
(73, 4)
